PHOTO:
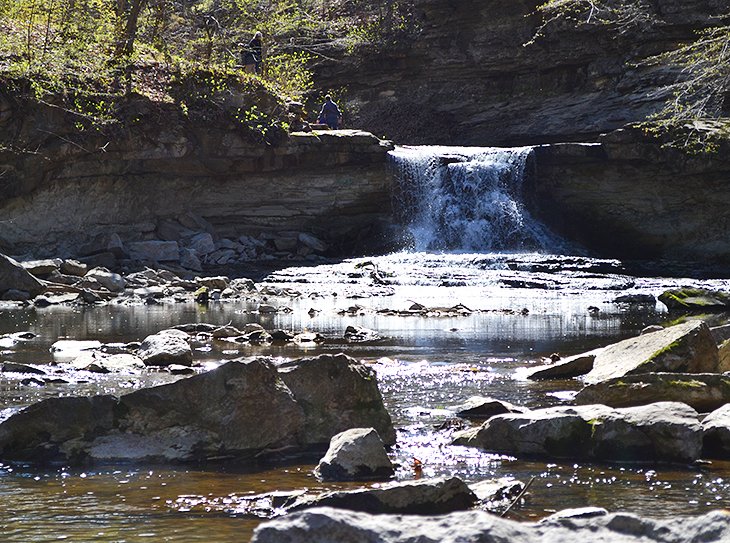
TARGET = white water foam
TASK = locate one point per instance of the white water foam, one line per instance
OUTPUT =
(467, 199)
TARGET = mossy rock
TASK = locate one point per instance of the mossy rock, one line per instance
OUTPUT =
(696, 299)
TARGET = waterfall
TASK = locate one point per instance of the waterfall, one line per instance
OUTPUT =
(466, 199)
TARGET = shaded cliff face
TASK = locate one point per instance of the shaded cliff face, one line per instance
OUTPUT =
(61, 187)
(629, 197)
(469, 80)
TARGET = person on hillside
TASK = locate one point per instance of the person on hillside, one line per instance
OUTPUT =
(330, 114)
(253, 54)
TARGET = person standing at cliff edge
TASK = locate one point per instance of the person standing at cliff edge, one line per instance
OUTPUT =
(330, 114)
(253, 54)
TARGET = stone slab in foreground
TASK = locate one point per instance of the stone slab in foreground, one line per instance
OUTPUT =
(334, 525)
(664, 431)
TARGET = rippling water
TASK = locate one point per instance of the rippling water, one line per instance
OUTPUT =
(523, 307)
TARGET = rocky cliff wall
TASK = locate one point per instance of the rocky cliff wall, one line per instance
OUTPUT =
(629, 197)
(468, 80)
(61, 189)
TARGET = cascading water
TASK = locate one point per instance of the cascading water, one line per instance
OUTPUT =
(467, 199)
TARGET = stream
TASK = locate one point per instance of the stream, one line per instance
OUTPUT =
(526, 300)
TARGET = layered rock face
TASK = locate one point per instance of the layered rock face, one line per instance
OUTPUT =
(467, 78)
(162, 167)
(628, 197)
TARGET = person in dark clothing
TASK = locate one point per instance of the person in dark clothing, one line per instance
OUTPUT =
(252, 54)
(330, 114)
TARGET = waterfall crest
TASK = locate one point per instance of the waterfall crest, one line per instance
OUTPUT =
(467, 199)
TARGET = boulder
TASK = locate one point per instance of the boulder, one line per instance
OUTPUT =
(324, 381)
(189, 260)
(155, 251)
(202, 244)
(113, 282)
(696, 299)
(163, 349)
(716, 434)
(100, 362)
(684, 348)
(220, 282)
(356, 334)
(354, 455)
(326, 524)
(566, 368)
(243, 284)
(14, 277)
(664, 431)
(702, 391)
(481, 407)
(427, 497)
(242, 409)
(66, 350)
(12, 367)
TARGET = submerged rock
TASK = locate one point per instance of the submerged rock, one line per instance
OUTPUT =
(702, 391)
(427, 497)
(664, 431)
(566, 368)
(684, 348)
(354, 455)
(335, 525)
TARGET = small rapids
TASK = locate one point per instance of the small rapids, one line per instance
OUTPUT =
(467, 199)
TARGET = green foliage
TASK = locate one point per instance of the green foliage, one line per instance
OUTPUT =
(693, 116)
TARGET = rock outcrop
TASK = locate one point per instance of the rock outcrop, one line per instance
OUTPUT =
(662, 431)
(328, 524)
(13, 277)
(238, 410)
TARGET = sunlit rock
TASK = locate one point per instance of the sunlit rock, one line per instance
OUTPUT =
(353, 455)
(664, 431)
(716, 429)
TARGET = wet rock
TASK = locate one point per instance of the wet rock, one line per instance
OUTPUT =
(196, 327)
(696, 299)
(281, 336)
(16, 278)
(651, 328)
(636, 299)
(566, 368)
(322, 382)
(58, 299)
(113, 282)
(163, 349)
(100, 362)
(42, 268)
(11, 367)
(716, 434)
(330, 524)
(13, 295)
(702, 391)
(664, 431)
(481, 407)
(578, 512)
(358, 334)
(355, 455)
(267, 309)
(492, 493)
(50, 429)
(226, 332)
(684, 348)
(426, 497)
(309, 337)
(74, 268)
(177, 369)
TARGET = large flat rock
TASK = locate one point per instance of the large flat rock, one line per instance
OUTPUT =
(334, 525)
(664, 431)
(702, 391)
(684, 348)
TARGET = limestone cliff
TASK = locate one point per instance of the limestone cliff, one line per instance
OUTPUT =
(467, 79)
